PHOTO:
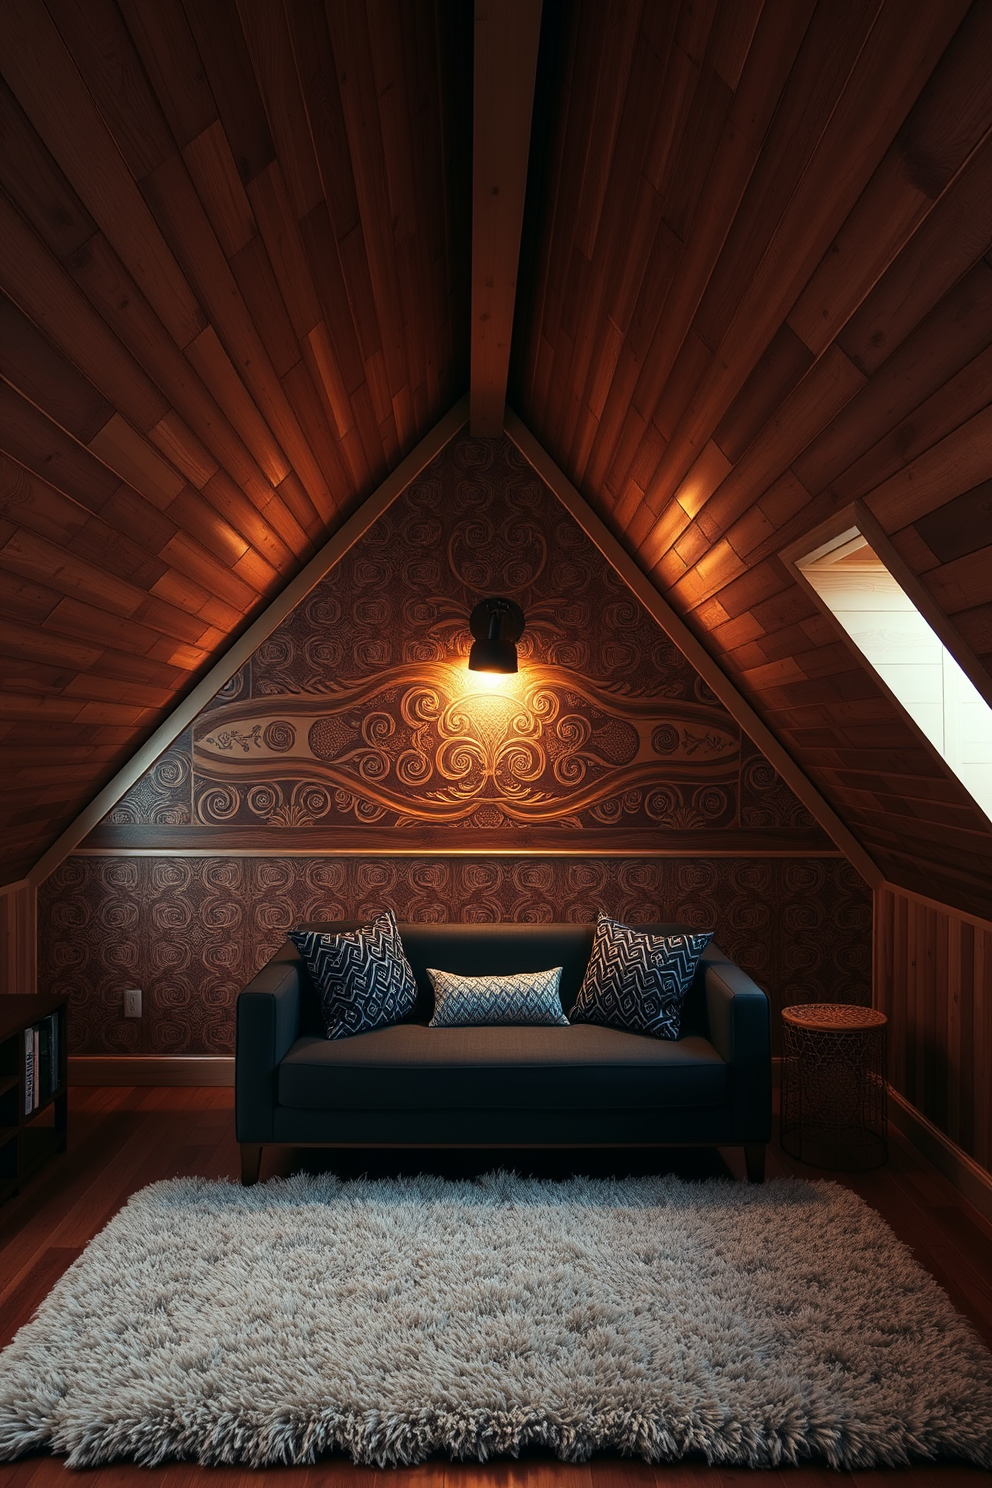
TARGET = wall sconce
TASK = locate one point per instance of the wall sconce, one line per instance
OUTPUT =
(497, 625)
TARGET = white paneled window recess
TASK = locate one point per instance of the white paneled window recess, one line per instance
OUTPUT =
(854, 579)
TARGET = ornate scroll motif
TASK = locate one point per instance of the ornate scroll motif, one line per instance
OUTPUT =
(766, 800)
(163, 795)
(359, 707)
(423, 743)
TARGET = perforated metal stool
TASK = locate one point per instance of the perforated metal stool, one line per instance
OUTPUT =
(834, 1092)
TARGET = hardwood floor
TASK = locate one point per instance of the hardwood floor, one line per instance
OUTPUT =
(122, 1138)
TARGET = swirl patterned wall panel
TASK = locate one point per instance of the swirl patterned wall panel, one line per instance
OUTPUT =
(359, 709)
(192, 931)
(353, 757)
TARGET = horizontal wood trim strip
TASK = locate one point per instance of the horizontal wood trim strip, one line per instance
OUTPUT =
(151, 1069)
(692, 649)
(452, 852)
(939, 904)
(332, 551)
(401, 842)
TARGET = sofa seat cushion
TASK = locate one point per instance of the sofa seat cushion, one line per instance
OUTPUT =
(414, 1068)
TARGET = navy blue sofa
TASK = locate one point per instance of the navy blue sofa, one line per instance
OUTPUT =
(582, 1086)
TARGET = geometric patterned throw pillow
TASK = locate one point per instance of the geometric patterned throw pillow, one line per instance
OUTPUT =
(363, 976)
(478, 1001)
(637, 979)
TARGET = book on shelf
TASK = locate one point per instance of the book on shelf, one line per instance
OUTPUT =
(28, 1071)
(44, 1061)
(41, 1063)
(53, 1052)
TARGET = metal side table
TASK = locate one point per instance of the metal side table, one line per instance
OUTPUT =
(834, 1090)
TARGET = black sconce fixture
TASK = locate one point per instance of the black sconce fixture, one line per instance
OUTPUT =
(497, 625)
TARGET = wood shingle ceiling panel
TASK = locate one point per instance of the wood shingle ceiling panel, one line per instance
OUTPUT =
(234, 268)
(760, 289)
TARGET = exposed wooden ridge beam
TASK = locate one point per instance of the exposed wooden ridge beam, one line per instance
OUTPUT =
(332, 552)
(692, 650)
(506, 40)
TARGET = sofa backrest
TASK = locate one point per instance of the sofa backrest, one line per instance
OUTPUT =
(499, 949)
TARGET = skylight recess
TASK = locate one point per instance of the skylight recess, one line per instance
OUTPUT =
(906, 653)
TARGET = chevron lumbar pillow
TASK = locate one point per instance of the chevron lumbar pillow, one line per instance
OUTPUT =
(363, 977)
(525, 997)
(637, 979)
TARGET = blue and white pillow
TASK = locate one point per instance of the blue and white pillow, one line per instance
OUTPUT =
(363, 977)
(478, 1001)
(637, 979)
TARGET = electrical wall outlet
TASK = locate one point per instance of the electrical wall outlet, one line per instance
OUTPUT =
(132, 1002)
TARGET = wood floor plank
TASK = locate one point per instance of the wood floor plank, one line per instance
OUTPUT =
(35, 1287)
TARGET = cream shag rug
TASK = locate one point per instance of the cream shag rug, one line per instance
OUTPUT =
(398, 1318)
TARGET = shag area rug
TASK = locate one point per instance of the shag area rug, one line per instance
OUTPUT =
(395, 1319)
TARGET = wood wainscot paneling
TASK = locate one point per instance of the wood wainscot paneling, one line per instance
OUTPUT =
(933, 979)
(18, 938)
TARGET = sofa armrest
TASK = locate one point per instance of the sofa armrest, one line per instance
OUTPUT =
(740, 1031)
(268, 1019)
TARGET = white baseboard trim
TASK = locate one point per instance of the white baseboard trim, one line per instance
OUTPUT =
(968, 1176)
(151, 1069)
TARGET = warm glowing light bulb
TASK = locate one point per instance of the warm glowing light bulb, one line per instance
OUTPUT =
(490, 681)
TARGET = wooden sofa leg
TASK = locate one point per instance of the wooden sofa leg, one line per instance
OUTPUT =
(754, 1161)
(251, 1162)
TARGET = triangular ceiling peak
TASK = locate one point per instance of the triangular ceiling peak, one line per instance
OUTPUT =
(346, 713)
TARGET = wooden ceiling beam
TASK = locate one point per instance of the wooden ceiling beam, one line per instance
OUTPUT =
(506, 41)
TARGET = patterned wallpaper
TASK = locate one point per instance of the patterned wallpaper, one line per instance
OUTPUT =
(360, 709)
(192, 931)
(358, 714)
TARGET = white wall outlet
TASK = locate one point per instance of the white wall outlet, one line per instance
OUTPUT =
(132, 1003)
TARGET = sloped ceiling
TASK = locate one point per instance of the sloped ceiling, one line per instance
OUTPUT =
(235, 267)
(234, 256)
(761, 289)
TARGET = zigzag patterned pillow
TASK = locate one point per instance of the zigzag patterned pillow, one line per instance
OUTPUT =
(637, 979)
(526, 997)
(363, 976)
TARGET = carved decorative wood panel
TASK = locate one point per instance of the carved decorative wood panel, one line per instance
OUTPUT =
(360, 710)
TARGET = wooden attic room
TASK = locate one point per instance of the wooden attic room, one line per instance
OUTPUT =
(666, 327)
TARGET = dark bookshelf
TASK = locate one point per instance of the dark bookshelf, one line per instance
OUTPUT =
(29, 1137)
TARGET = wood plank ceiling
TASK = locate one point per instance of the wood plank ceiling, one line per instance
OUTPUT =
(761, 288)
(234, 257)
(235, 275)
